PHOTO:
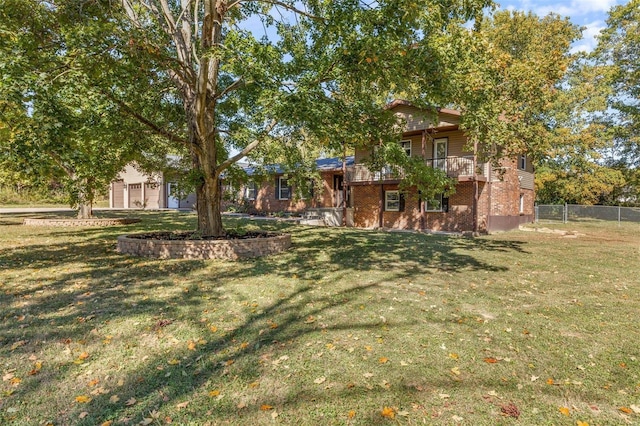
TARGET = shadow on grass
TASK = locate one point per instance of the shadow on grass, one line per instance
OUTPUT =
(92, 285)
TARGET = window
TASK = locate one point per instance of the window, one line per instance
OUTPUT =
(521, 203)
(283, 190)
(392, 201)
(406, 147)
(435, 205)
(251, 191)
(522, 162)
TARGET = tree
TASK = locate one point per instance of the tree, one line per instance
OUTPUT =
(617, 57)
(312, 72)
(56, 121)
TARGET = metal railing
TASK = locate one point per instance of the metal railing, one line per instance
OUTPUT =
(574, 212)
(452, 166)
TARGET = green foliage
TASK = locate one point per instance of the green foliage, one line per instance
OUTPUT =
(507, 76)
(618, 60)
(58, 114)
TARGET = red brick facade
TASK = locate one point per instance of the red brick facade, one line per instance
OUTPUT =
(267, 200)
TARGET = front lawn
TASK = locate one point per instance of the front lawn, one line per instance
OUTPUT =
(347, 327)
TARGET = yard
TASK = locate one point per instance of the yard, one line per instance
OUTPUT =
(347, 327)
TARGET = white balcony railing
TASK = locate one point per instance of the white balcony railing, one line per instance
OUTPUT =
(452, 166)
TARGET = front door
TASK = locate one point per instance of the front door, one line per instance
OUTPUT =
(338, 197)
(440, 154)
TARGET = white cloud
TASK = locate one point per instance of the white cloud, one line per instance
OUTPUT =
(589, 37)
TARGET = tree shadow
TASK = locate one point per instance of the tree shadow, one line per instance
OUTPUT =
(91, 285)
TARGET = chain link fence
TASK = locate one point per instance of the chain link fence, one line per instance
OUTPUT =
(573, 213)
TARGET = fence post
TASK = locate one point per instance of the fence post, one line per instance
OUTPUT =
(619, 215)
(565, 214)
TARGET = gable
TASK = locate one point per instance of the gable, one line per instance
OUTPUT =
(418, 119)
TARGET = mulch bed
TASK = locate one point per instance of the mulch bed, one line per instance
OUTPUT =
(196, 236)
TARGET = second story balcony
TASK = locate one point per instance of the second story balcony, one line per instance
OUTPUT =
(455, 167)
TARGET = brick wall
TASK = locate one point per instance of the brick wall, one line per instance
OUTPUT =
(267, 202)
(231, 249)
(458, 218)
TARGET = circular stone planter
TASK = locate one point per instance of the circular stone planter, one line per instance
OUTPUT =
(79, 222)
(231, 249)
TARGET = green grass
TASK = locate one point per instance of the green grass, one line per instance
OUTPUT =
(345, 323)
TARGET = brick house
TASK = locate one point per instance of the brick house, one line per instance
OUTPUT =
(504, 198)
(276, 194)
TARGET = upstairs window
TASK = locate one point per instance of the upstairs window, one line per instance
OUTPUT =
(522, 162)
(406, 147)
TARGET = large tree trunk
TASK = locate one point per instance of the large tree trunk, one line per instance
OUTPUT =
(85, 210)
(208, 195)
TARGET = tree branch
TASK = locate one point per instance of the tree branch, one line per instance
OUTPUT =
(293, 9)
(150, 124)
(230, 88)
(228, 162)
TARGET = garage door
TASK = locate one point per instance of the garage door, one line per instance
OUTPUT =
(117, 194)
(152, 195)
(135, 196)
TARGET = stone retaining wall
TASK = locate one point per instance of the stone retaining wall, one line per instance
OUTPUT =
(79, 222)
(231, 249)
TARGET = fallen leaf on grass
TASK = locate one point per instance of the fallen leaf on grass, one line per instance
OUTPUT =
(319, 380)
(383, 360)
(15, 381)
(490, 360)
(7, 376)
(456, 371)
(579, 423)
(83, 414)
(114, 399)
(265, 407)
(510, 410)
(351, 414)
(388, 413)
(82, 399)
(565, 411)
(457, 418)
(146, 421)
(94, 382)
(107, 423)
(635, 409)
(550, 381)
(191, 345)
(182, 405)
(214, 393)
(626, 410)
(130, 402)
(274, 415)
(83, 355)
(454, 356)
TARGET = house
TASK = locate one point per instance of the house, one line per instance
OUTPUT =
(325, 200)
(485, 199)
(135, 189)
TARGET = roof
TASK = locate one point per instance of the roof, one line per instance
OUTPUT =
(322, 164)
(401, 102)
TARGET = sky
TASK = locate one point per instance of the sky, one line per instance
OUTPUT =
(590, 14)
